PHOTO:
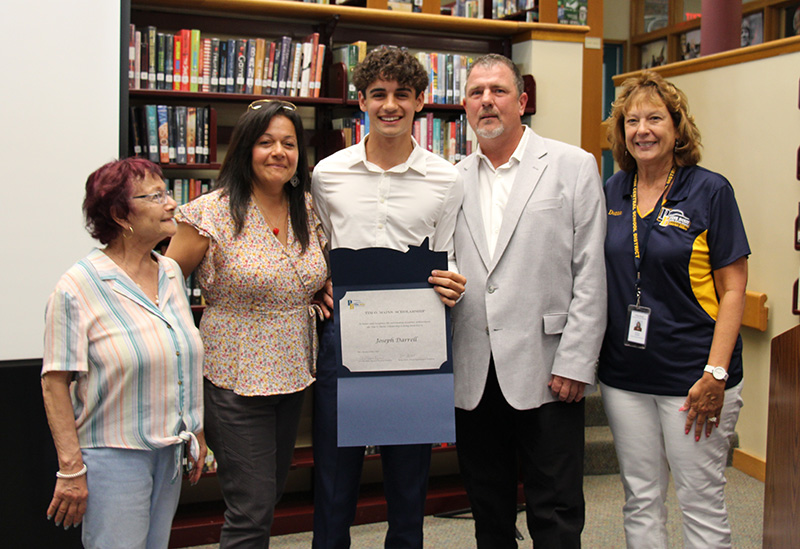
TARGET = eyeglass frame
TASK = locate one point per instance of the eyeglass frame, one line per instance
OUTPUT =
(158, 197)
(258, 103)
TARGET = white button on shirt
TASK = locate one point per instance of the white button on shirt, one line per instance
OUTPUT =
(362, 205)
(495, 186)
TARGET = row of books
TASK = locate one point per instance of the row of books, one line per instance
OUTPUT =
(185, 190)
(350, 55)
(171, 134)
(188, 61)
(447, 76)
(507, 8)
(453, 140)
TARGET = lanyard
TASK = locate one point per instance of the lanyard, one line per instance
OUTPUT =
(639, 248)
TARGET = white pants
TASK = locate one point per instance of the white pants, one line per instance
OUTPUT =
(649, 436)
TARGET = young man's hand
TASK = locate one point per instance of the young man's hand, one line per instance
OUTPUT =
(449, 285)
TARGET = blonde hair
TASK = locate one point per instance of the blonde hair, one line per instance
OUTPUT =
(651, 87)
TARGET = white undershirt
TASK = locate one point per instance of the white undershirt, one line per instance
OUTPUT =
(495, 185)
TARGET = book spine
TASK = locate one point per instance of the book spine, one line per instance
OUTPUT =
(169, 59)
(173, 134)
(320, 64)
(180, 119)
(198, 140)
(230, 76)
(206, 133)
(305, 71)
(191, 135)
(434, 77)
(152, 54)
(206, 65)
(132, 57)
(223, 66)
(297, 60)
(269, 66)
(352, 61)
(186, 59)
(135, 131)
(151, 121)
(160, 56)
(240, 86)
(137, 60)
(163, 134)
(194, 60)
(215, 57)
(250, 71)
(177, 43)
(450, 83)
(283, 70)
(258, 75)
(144, 63)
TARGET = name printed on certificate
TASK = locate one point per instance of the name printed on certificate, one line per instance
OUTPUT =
(392, 330)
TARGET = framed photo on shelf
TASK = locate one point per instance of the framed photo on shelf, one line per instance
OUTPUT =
(654, 54)
(572, 12)
(690, 44)
(752, 29)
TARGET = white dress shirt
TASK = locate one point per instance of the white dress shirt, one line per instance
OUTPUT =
(495, 186)
(362, 205)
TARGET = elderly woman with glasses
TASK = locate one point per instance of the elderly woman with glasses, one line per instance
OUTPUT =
(257, 248)
(122, 368)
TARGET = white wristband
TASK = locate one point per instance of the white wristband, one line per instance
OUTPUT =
(80, 473)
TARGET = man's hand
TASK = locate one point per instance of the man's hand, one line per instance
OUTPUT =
(449, 286)
(567, 390)
(324, 298)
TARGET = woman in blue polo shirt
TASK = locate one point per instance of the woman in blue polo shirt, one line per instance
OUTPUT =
(671, 365)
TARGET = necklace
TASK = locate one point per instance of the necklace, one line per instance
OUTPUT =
(275, 229)
(121, 264)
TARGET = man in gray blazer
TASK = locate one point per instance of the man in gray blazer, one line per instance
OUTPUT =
(529, 238)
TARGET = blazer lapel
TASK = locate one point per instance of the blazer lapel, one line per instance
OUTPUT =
(471, 207)
(530, 171)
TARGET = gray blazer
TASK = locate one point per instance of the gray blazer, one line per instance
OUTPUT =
(539, 305)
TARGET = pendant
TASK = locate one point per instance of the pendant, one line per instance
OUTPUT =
(275, 231)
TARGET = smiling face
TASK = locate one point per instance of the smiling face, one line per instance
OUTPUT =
(151, 222)
(391, 108)
(492, 105)
(650, 133)
(275, 153)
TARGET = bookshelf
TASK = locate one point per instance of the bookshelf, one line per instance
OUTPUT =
(199, 516)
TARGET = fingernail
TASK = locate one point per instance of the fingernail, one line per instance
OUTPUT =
(49, 517)
(66, 527)
(697, 438)
(687, 432)
(58, 523)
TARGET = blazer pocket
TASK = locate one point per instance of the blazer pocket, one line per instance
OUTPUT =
(554, 323)
(545, 204)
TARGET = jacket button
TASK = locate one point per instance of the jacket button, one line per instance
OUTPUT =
(491, 289)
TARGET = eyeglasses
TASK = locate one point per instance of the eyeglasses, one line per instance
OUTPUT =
(159, 197)
(257, 104)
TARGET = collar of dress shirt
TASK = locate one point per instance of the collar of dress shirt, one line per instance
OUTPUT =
(515, 156)
(415, 161)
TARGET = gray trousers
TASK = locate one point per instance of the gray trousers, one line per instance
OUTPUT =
(253, 439)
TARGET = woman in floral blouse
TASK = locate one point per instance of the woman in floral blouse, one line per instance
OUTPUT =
(257, 247)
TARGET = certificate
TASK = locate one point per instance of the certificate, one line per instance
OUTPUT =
(392, 330)
(395, 373)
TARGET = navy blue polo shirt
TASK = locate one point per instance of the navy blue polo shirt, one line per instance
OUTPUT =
(698, 230)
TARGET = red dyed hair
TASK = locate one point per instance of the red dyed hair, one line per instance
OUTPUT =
(108, 194)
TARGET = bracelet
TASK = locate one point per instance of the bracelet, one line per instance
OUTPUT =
(80, 473)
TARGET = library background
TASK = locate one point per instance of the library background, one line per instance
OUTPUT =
(167, 79)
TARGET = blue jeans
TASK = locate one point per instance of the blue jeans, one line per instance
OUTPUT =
(131, 497)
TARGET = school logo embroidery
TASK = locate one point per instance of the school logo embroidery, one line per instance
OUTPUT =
(674, 218)
(614, 212)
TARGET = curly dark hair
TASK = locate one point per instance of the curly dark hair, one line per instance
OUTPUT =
(236, 173)
(651, 87)
(108, 195)
(390, 63)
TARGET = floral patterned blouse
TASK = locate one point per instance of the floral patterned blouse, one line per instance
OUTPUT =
(259, 327)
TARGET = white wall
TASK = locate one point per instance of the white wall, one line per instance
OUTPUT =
(750, 123)
(59, 116)
(616, 19)
(558, 69)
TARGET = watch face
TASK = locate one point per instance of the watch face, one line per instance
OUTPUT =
(719, 373)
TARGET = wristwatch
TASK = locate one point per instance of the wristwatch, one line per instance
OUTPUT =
(718, 372)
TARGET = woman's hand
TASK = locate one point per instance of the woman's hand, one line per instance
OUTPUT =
(69, 501)
(197, 464)
(704, 403)
(324, 298)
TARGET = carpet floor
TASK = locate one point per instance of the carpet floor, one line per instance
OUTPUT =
(604, 498)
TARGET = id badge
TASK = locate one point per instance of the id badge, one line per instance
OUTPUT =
(638, 322)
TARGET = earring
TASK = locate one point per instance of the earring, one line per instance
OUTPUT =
(675, 148)
(125, 234)
(294, 181)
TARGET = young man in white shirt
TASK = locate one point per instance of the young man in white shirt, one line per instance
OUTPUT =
(385, 192)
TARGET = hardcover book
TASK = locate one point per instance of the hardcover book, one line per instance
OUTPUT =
(180, 122)
(191, 134)
(152, 54)
(205, 66)
(230, 74)
(241, 66)
(250, 71)
(215, 62)
(177, 61)
(160, 53)
(186, 59)
(258, 74)
(194, 60)
(151, 124)
(169, 59)
(163, 134)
